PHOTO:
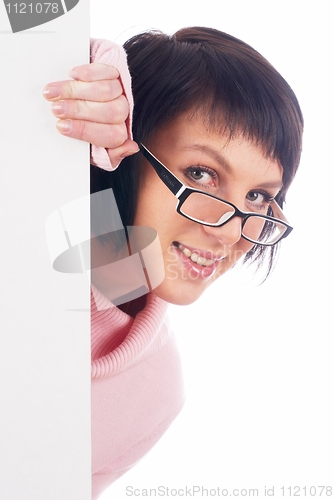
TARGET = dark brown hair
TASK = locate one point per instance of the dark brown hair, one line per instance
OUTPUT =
(207, 70)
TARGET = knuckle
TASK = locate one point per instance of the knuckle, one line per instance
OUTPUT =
(74, 109)
(69, 89)
(78, 108)
(111, 89)
(118, 110)
(82, 130)
(117, 135)
(110, 71)
(102, 135)
(118, 89)
(120, 134)
(123, 107)
(105, 71)
(87, 71)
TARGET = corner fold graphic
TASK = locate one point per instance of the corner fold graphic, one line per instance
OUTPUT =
(26, 15)
(70, 4)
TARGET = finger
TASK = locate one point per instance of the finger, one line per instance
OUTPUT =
(99, 134)
(101, 91)
(116, 155)
(93, 72)
(115, 111)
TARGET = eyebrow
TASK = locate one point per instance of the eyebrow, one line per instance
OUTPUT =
(272, 185)
(222, 161)
(219, 158)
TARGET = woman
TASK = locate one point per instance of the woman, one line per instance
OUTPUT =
(219, 134)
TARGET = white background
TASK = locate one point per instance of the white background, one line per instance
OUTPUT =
(258, 360)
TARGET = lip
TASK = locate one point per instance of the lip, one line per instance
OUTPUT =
(195, 270)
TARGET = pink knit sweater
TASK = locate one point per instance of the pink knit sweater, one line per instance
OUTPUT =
(137, 388)
(105, 52)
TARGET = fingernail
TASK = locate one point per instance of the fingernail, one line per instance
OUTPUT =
(51, 92)
(59, 108)
(64, 126)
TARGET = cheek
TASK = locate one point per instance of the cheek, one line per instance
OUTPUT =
(155, 205)
(239, 251)
(243, 246)
(154, 213)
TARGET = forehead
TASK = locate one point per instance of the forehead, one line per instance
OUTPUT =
(198, 124)
(191, 138)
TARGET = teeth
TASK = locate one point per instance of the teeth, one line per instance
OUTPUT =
(194, 257)
(202, 261)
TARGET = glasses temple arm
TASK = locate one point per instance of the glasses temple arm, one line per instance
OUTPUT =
(165, 175)
(277, 211)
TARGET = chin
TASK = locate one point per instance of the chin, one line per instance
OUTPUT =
(185, 289)
(171, 298)
(178, 295)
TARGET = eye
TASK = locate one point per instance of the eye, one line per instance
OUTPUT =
(196, 174)
(202, 176)
(254, 196)
(259, 200)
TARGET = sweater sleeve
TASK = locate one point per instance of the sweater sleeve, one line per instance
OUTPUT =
(106, 52)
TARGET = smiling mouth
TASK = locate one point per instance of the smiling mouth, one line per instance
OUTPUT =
(195, 257)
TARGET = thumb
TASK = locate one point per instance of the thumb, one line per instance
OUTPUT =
(116, 155)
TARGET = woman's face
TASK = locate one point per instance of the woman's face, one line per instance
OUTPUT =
(236, 170)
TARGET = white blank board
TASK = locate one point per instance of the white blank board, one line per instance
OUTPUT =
(44, 322)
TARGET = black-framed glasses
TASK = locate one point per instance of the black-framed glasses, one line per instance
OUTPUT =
(209, 210)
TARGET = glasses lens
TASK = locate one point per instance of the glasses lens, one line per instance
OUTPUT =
(205, 209)
(263, 231)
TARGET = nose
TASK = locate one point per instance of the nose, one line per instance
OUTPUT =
(229, 233)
